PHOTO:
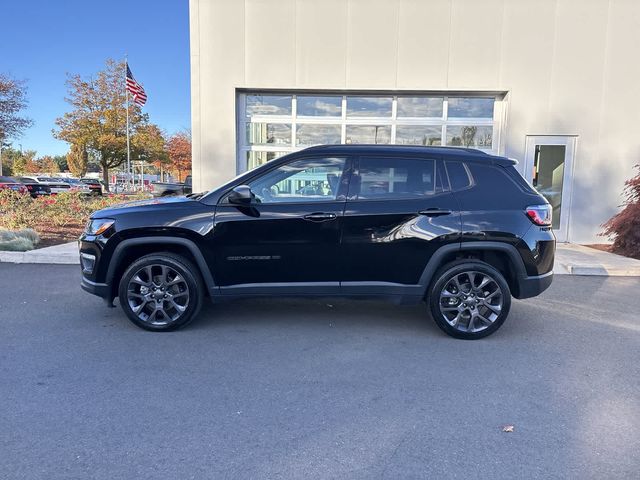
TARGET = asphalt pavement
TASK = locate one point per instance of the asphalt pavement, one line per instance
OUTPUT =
(317, 388)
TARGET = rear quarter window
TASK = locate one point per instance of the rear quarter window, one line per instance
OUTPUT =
(459, 177)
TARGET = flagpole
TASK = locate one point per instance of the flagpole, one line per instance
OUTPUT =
(129, 179)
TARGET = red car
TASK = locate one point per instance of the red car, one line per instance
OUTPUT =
(8, 183)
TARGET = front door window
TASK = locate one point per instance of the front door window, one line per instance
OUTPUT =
(307, 180)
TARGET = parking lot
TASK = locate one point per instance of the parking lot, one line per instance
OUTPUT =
(317, 388)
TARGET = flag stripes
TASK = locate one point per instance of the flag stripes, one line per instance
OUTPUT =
(135, 89)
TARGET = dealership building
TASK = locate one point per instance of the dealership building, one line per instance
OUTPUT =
(554, 84)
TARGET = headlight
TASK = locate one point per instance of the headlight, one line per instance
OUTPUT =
(96, 226)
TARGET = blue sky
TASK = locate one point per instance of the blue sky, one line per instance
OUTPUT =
(42, 40)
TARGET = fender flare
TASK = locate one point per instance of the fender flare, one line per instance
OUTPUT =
(122, 247)
(437, 259)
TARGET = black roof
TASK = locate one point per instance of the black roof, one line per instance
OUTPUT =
(364, 149)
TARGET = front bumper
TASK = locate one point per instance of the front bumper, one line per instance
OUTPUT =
(100, 289)
(533, 286)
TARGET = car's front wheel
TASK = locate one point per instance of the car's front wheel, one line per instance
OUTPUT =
(161, 292)
(469, 299)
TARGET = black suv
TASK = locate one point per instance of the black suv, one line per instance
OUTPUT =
(455, 227)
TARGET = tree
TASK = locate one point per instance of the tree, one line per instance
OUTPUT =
(98, 116)
(61, 160)
(25, 163)
(47, 164)
(78, 160)
(179, 150)
(149, 145)
(13, 99)
(624, 227)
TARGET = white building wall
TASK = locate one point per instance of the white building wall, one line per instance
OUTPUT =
(568, 67)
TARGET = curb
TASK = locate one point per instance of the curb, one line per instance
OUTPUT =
(33, 257)
(602, 270)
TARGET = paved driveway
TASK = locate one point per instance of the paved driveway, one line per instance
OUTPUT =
(317, 389)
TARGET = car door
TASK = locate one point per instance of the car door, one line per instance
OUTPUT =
(399, 212)
(288, 237)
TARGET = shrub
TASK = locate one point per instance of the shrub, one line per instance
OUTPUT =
(65, 212)
(18, 241)
(624, 227)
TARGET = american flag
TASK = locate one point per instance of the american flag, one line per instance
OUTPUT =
(135, 89)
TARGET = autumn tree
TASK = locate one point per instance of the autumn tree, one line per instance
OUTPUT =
(78, 160)
(47, 164)
(149, 145)
(179, 150)
(98, 117)
(13, 99)
(25, 163)
(624, 227)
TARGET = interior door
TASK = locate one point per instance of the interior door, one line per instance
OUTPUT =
(549, 168)
(289, 234)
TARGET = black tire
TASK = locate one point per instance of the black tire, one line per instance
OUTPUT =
(479, 300)
(190, 282)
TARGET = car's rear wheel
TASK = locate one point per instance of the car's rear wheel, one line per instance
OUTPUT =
(161, 292)
(469, 299)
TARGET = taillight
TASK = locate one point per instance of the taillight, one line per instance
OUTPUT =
(540, 214)
(29, 187)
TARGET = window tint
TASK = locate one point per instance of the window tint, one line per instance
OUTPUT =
(305, 180)
(389, 178)
(458, 175)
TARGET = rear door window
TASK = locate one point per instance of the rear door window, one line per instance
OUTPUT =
(388, 178)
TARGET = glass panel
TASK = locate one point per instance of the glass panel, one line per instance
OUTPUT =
(474, 136)
(306, 180)
(369, 106)
(368, 134)
(390, 178)
(255, 159)
(420, 106)
(319, 106)
(268, 104)
(311, 134)
(418, 135)
(268, 133)
(458, 175)
(548, 176)
(470, 107)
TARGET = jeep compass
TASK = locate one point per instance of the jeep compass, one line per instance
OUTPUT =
(456, 228)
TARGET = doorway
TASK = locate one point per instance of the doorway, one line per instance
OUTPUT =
(549, 168)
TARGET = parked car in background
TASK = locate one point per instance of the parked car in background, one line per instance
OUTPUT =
(163, 189)
(94, 184)
(76, 185)
(10, 183)
(56, 186)
(35, 188)
(457, 228)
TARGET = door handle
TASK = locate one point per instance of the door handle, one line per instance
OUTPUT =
(320, 217)
(434, 212)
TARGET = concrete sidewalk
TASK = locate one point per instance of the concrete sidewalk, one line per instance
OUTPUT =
(574, 259)
(571, 259)
(65, 254)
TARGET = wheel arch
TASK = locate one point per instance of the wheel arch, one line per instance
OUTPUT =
(131, 249)
(502, 256)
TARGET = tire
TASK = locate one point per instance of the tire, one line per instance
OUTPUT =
(171, 275)
(484, 308)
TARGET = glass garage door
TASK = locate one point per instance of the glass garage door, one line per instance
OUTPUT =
(273, 124)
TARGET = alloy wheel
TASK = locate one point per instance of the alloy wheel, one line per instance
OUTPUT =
(157, 294)
(471, 301)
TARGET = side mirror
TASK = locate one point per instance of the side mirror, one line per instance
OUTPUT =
(241, 195)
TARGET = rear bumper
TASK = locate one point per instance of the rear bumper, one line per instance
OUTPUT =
(533, 286)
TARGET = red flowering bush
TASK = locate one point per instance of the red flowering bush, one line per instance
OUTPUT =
(624, 227)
